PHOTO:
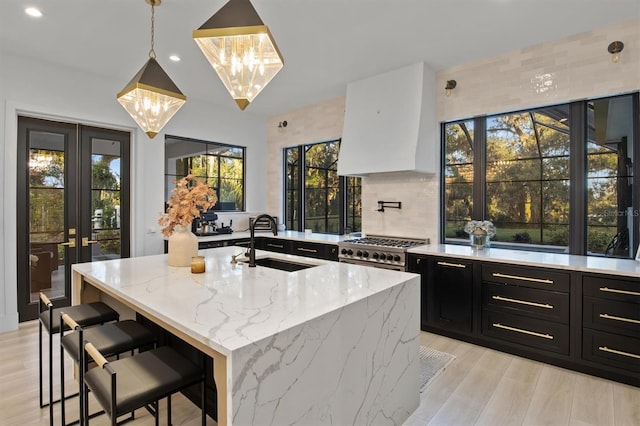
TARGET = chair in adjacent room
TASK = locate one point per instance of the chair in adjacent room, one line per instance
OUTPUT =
(84, 314)
(110, 339)
(127, 384)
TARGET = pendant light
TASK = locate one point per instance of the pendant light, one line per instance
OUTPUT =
(151, 98)
(241, 50)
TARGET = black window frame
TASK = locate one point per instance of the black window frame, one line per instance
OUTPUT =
(218, 178)
(577, 242)
(346, 221)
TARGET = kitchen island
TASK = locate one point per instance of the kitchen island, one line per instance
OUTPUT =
(332, 344)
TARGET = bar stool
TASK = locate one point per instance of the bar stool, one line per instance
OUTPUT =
(110, 339)
(124, 385)
(85, 314)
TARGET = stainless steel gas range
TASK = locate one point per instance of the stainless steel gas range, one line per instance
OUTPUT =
(378, 251)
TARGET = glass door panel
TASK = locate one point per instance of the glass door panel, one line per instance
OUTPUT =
(46, 214)
(73, 181)
(105, 239)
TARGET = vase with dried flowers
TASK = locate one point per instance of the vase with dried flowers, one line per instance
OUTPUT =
(480, 233)
(187, 199)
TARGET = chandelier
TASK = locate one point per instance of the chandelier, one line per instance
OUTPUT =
(241, 50)
(151, 98)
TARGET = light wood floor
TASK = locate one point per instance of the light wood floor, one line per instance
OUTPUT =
(480, 387)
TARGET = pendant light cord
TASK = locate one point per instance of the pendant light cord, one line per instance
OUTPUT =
(152, 53)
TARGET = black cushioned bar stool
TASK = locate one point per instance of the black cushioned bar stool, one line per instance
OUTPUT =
(123, 386)
(110, 339)
(84, 314)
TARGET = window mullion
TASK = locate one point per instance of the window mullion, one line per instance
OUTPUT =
(577, 178)
(635, 232)
(479, 168)
(302, 171)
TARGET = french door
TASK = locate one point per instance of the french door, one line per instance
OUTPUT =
(72, 205)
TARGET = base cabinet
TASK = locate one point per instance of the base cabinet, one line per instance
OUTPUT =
(611, 323)
(589, 322)
(451, 295)
(446, 293)
(298, 248)
(526, 306)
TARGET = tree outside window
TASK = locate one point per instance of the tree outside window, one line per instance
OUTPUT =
(315, 196)
(558, 178)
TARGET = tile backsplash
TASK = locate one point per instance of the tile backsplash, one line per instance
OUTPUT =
(418, 215)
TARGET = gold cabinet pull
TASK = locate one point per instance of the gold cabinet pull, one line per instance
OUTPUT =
(516, 277)
(307, 250)
(615, 318)
(617, 352)
(523, 302)
(275, 245)
(86, 241)
(519, 330)
(614, 290)
(454, 265)
(71, 243)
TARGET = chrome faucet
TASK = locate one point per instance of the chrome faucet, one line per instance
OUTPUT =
(252, 229)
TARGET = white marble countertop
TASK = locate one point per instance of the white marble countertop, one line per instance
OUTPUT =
(231, 306)
(225, 237)
(608, 265)
(288, 235)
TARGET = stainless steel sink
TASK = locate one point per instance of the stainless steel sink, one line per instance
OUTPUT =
(283, 265)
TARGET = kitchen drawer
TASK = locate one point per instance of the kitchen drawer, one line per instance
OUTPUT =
(611, 315)
(611, 349)
(535, 303)
(274, 244)
(625, 290)
(526, 277)
(317, 250)
(535, 333)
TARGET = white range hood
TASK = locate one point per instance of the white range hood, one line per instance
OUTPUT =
(390, 123)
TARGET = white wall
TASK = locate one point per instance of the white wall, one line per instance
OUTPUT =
(30, 87)
(575, 67)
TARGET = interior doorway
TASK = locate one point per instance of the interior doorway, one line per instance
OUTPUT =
(73, 198)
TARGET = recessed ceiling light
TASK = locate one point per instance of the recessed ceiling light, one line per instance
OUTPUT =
(175, 58)
(33, 11)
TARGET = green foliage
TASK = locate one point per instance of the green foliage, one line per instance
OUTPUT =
(527, 179)
(599, 239)
(105, 190)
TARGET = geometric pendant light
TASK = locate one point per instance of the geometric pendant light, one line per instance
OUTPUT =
(241, 50)
(151, 98)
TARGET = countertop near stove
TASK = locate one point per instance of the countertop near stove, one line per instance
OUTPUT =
(333, 343)
(287, 235)
(608, 265)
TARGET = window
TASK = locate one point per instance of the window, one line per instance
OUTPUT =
(220, 165)
(458, 175)
(315, 196)
(610, 170)
(558, 178)
(527, 176)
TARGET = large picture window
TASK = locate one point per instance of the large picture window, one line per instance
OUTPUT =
(558, 178)
(315, 196)
(221, 166)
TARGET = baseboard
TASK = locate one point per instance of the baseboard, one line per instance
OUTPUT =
(8, 322)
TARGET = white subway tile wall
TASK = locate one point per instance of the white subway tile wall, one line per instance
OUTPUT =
(572, 68)
(568, 69)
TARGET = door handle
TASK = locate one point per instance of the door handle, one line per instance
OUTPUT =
(86, 241)
(71, 243)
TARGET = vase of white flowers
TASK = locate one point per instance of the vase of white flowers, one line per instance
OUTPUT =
(480, 233)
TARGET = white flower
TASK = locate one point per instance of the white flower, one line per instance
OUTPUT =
(480, 225)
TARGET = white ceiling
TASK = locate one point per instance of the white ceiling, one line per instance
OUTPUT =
(325, 43)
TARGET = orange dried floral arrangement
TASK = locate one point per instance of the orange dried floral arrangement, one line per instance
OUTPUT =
(185, 202)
